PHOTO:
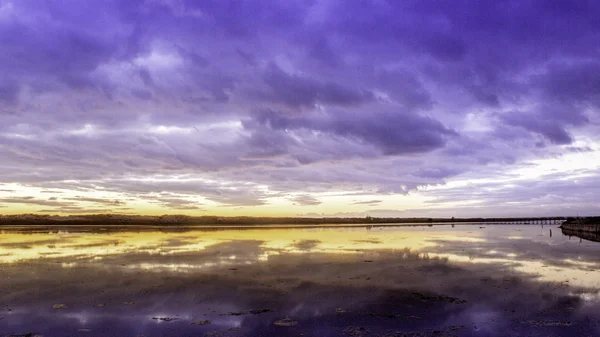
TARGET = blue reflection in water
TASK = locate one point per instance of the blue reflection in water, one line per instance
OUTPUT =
(393, 281)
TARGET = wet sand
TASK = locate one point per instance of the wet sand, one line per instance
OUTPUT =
(419, 281)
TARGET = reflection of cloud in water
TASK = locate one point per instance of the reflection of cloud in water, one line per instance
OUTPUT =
(524, 248)
(306, 244)
(290, 240)
(417, 280)
(553, 259)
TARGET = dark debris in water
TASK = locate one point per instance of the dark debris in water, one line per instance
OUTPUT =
(439, 298)
(165, 319)
(223, 333)
(201, 322)
(260, 311)
(216, 333)
(545, 323)
(355, 331)
(286, 322)
(251, 312)
(392, 316)
(448, 331)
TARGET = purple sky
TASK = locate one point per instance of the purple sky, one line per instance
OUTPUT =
(335, 107)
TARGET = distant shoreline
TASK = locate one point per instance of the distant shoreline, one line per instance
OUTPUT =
(128, 227)
(110, 220)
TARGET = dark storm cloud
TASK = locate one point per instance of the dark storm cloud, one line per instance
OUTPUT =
(551, 129)
(52, 44)
(300, 92)
(393, 133)
(436, 173)
(572, 83)
(368, 87)
(405, 87)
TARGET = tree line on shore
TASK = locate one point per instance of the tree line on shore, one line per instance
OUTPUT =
(99, 219)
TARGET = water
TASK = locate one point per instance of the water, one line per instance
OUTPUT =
(470, 280)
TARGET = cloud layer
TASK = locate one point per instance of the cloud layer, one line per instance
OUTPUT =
(189, 106)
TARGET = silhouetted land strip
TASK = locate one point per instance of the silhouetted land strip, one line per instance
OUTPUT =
(589, 225)
(235, 222)
(590, 236)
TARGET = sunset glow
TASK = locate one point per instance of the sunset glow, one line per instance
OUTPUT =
(289, 108)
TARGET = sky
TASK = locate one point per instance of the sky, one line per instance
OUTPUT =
(300, 107)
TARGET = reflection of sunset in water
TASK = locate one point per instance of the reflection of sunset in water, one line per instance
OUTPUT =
(524, 248)
(17, 247)
(461, 281)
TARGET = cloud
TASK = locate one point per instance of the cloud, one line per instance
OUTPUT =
(368, 202)
(300, 92)
(179, 203)
(97, 201)
(33, 201)
(574, 83)
(394, 133)
(76, 210)
(548, 196)
(272, 99)
(237, 194)
(553, 130)
(305, 200)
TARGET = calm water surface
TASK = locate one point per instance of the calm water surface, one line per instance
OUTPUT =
(470, 280)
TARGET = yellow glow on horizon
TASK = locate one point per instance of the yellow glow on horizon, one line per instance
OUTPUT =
(334, 203)
(331, 203)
